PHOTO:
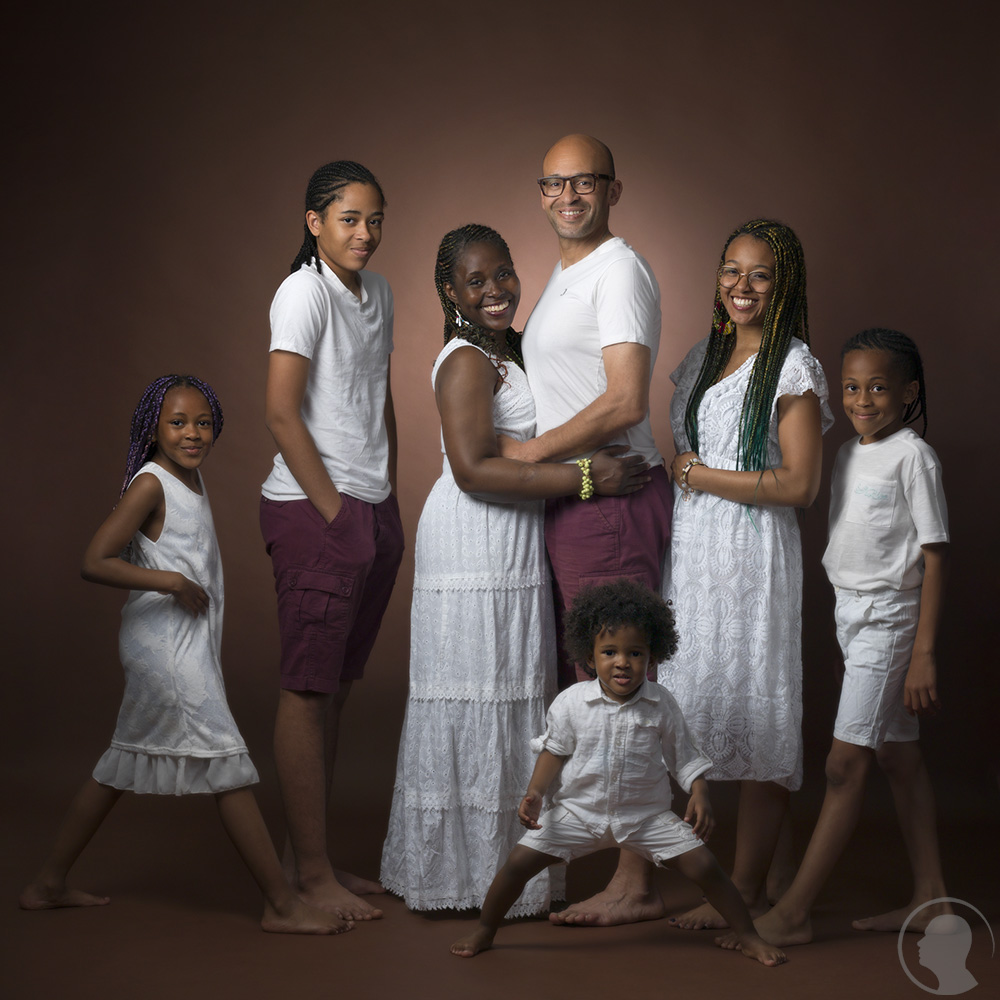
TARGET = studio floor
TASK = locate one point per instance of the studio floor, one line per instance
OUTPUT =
(183, 920)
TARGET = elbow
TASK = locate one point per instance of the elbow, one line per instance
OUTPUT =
(278, 420)
(801, 497)
(272, 420)
(627, 414)
(806, 495)
(469, 477)
(465, 482)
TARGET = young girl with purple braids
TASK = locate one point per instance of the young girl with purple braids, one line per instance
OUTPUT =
(175, 734)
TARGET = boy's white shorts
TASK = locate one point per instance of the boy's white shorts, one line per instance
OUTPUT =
(876, 633)
(565, 836)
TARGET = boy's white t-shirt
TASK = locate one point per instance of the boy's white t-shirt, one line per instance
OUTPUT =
(348, 342)
(886, 501)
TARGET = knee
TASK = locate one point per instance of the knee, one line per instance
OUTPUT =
(847, 765)
(307, 708)
(524, 863)
(699, 865)
(900, 761)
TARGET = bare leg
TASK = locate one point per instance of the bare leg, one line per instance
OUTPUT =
(763, 807)
(782, 869)
(284, 912)
(353, 883)
(629, 898)
(789, 921)
(903, 764)
(701, 867)
(303, 763)
(87, 811)
(523, 864)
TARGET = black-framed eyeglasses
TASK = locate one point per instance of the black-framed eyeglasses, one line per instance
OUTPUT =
(759, 281)
(553, 186)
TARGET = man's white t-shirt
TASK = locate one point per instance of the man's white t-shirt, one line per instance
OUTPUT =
(610, 297)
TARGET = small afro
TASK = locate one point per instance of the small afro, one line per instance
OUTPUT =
(608, 607)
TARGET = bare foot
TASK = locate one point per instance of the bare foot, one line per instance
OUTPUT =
(776, 927)
(753, 946)
(479, 940)
(37, 896)
(610, 908)
(894, 919)
(300, 918)
(701, 918)
(331, 896)
(358, 885)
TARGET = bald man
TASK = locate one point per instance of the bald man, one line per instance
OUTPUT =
(589, 349)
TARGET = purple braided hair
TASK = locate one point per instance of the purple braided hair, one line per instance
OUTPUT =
(147, 416)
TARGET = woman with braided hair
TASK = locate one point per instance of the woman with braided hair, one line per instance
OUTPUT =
(748, 416)
(482, 645)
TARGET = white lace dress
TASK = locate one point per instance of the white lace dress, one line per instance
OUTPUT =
(482, 673)
(735, 581)
(175, 734)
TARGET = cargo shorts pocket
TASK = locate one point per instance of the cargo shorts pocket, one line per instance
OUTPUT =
(321, 596)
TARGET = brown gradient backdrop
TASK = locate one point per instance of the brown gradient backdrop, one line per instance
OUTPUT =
(153, 203)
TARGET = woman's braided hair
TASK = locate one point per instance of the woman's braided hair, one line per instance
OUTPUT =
(786, 317)
(453, 245)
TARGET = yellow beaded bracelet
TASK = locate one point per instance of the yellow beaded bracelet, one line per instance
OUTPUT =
(587, 484)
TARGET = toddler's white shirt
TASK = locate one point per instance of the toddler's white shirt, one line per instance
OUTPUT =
(620, 755)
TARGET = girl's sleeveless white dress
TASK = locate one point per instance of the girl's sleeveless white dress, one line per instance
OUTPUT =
(735, 580)
(175, 734)
(482, 673)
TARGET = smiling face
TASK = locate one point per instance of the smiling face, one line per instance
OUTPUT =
(485, 287)
(580, 217)
(184, 433)
(349, 231)
(875, 393)
(746, 307)
(621, 659)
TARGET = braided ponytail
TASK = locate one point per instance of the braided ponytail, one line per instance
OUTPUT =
(324, 189)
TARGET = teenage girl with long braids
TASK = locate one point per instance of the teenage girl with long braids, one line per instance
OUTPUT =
(747, 416)
(328, 510)
(482, 643)
(175, 734)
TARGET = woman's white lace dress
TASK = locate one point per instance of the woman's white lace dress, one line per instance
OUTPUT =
(482, 672)
(175, 734)
(735, 581)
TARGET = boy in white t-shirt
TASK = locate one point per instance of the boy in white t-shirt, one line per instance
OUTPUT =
(886, 558)
(328, 510)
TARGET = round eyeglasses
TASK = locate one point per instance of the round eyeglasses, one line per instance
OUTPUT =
(759, 281)
(553, 186)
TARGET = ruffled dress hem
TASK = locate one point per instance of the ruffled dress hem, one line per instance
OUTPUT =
(169, 774)
(424, 905)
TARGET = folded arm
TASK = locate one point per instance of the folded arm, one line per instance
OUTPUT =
(794, 483)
